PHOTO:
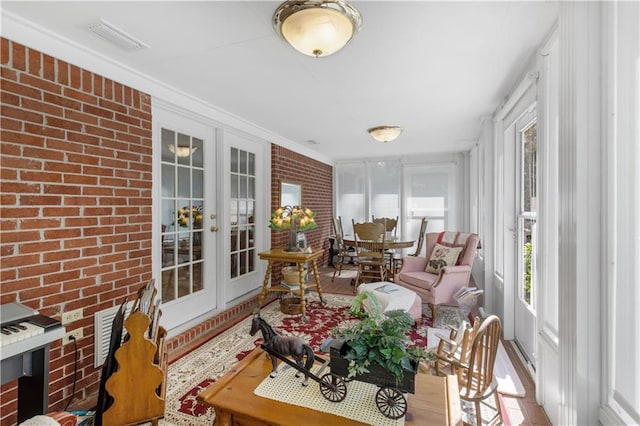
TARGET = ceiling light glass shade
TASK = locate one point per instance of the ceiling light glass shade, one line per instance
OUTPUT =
(317, 27)
(385, 133)
(182, 151)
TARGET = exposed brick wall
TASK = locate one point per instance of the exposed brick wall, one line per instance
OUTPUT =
(75, 205)
(316, 179)
(75, 210)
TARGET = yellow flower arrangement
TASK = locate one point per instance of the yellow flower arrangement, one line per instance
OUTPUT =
(293, 219)
(299, 218)
(184, 213)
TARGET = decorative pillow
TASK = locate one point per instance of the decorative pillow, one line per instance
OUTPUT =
(442, 256)
(454, 239)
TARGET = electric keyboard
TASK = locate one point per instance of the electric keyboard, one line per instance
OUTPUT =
(23, 329)
(25, 337)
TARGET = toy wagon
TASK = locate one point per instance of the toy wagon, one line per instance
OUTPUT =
(390, 398)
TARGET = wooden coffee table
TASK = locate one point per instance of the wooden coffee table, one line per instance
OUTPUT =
(436, 400)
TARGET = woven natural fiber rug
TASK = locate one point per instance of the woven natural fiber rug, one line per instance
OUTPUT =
(359, 403)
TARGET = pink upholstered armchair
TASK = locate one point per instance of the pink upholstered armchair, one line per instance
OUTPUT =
(439, 288)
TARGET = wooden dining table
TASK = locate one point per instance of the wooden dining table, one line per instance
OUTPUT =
(390, 243)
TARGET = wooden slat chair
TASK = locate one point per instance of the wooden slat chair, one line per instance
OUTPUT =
(345, 255)
(456, 347)
(420, 240)
(476, 380)
(397, 257)
(391, 229)
(390, 224)
(369, 244)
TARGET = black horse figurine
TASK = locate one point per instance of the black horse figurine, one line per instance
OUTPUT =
(285, 346)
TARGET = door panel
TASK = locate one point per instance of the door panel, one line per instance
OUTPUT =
(246, 222)
(187, 198)
(526, 234)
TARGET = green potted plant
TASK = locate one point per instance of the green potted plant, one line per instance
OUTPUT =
(378, 343)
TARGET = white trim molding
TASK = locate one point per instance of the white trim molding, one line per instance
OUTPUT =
(620, 390)
(579, 164)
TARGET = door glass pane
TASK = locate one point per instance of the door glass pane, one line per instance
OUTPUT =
(182, 215)
(168, 142)
(183, 149)
(234, 160)
(197, 158)
(530, 161)
(168, 181)
(198, 179)
(527, 218)
(241, 211)
(528, 275)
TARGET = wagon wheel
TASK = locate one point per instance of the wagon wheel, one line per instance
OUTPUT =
(332, 387)
(391, 403)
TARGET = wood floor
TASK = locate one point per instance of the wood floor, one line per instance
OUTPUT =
(521, 411)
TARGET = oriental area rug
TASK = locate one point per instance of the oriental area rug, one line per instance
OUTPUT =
(193, 372)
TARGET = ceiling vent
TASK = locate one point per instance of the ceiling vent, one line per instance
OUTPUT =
(115, 35)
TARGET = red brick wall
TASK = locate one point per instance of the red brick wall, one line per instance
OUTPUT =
(316, 179)
(75, 203)
(75, 210)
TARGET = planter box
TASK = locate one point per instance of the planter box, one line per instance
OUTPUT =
(377, 374)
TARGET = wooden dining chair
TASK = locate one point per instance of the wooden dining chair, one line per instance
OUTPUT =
(345, 254)
(396, 261)
(391, 229)
(390, 224)
(369, 244)
(421, 233)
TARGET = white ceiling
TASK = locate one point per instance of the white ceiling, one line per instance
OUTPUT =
(434, 68)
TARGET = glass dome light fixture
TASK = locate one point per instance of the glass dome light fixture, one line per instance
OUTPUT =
(317, 27)
(182, 151)
(385, 133)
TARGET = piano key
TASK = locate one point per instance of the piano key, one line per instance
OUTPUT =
(34, 342)
(17, 334)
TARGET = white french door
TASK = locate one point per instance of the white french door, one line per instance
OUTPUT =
(244, 197)
(526, 233)
(185, 203)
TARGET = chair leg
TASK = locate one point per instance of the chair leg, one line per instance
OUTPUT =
(478, 414)
(495, 395)
(337, 268)
(433, 314)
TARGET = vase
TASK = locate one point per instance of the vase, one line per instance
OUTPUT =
(292, 245)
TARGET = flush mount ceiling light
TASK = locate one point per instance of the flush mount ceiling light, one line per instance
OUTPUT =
(317, 27)
(182, 151)
(385, 133)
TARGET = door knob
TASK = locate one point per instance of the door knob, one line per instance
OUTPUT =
(214, 229)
